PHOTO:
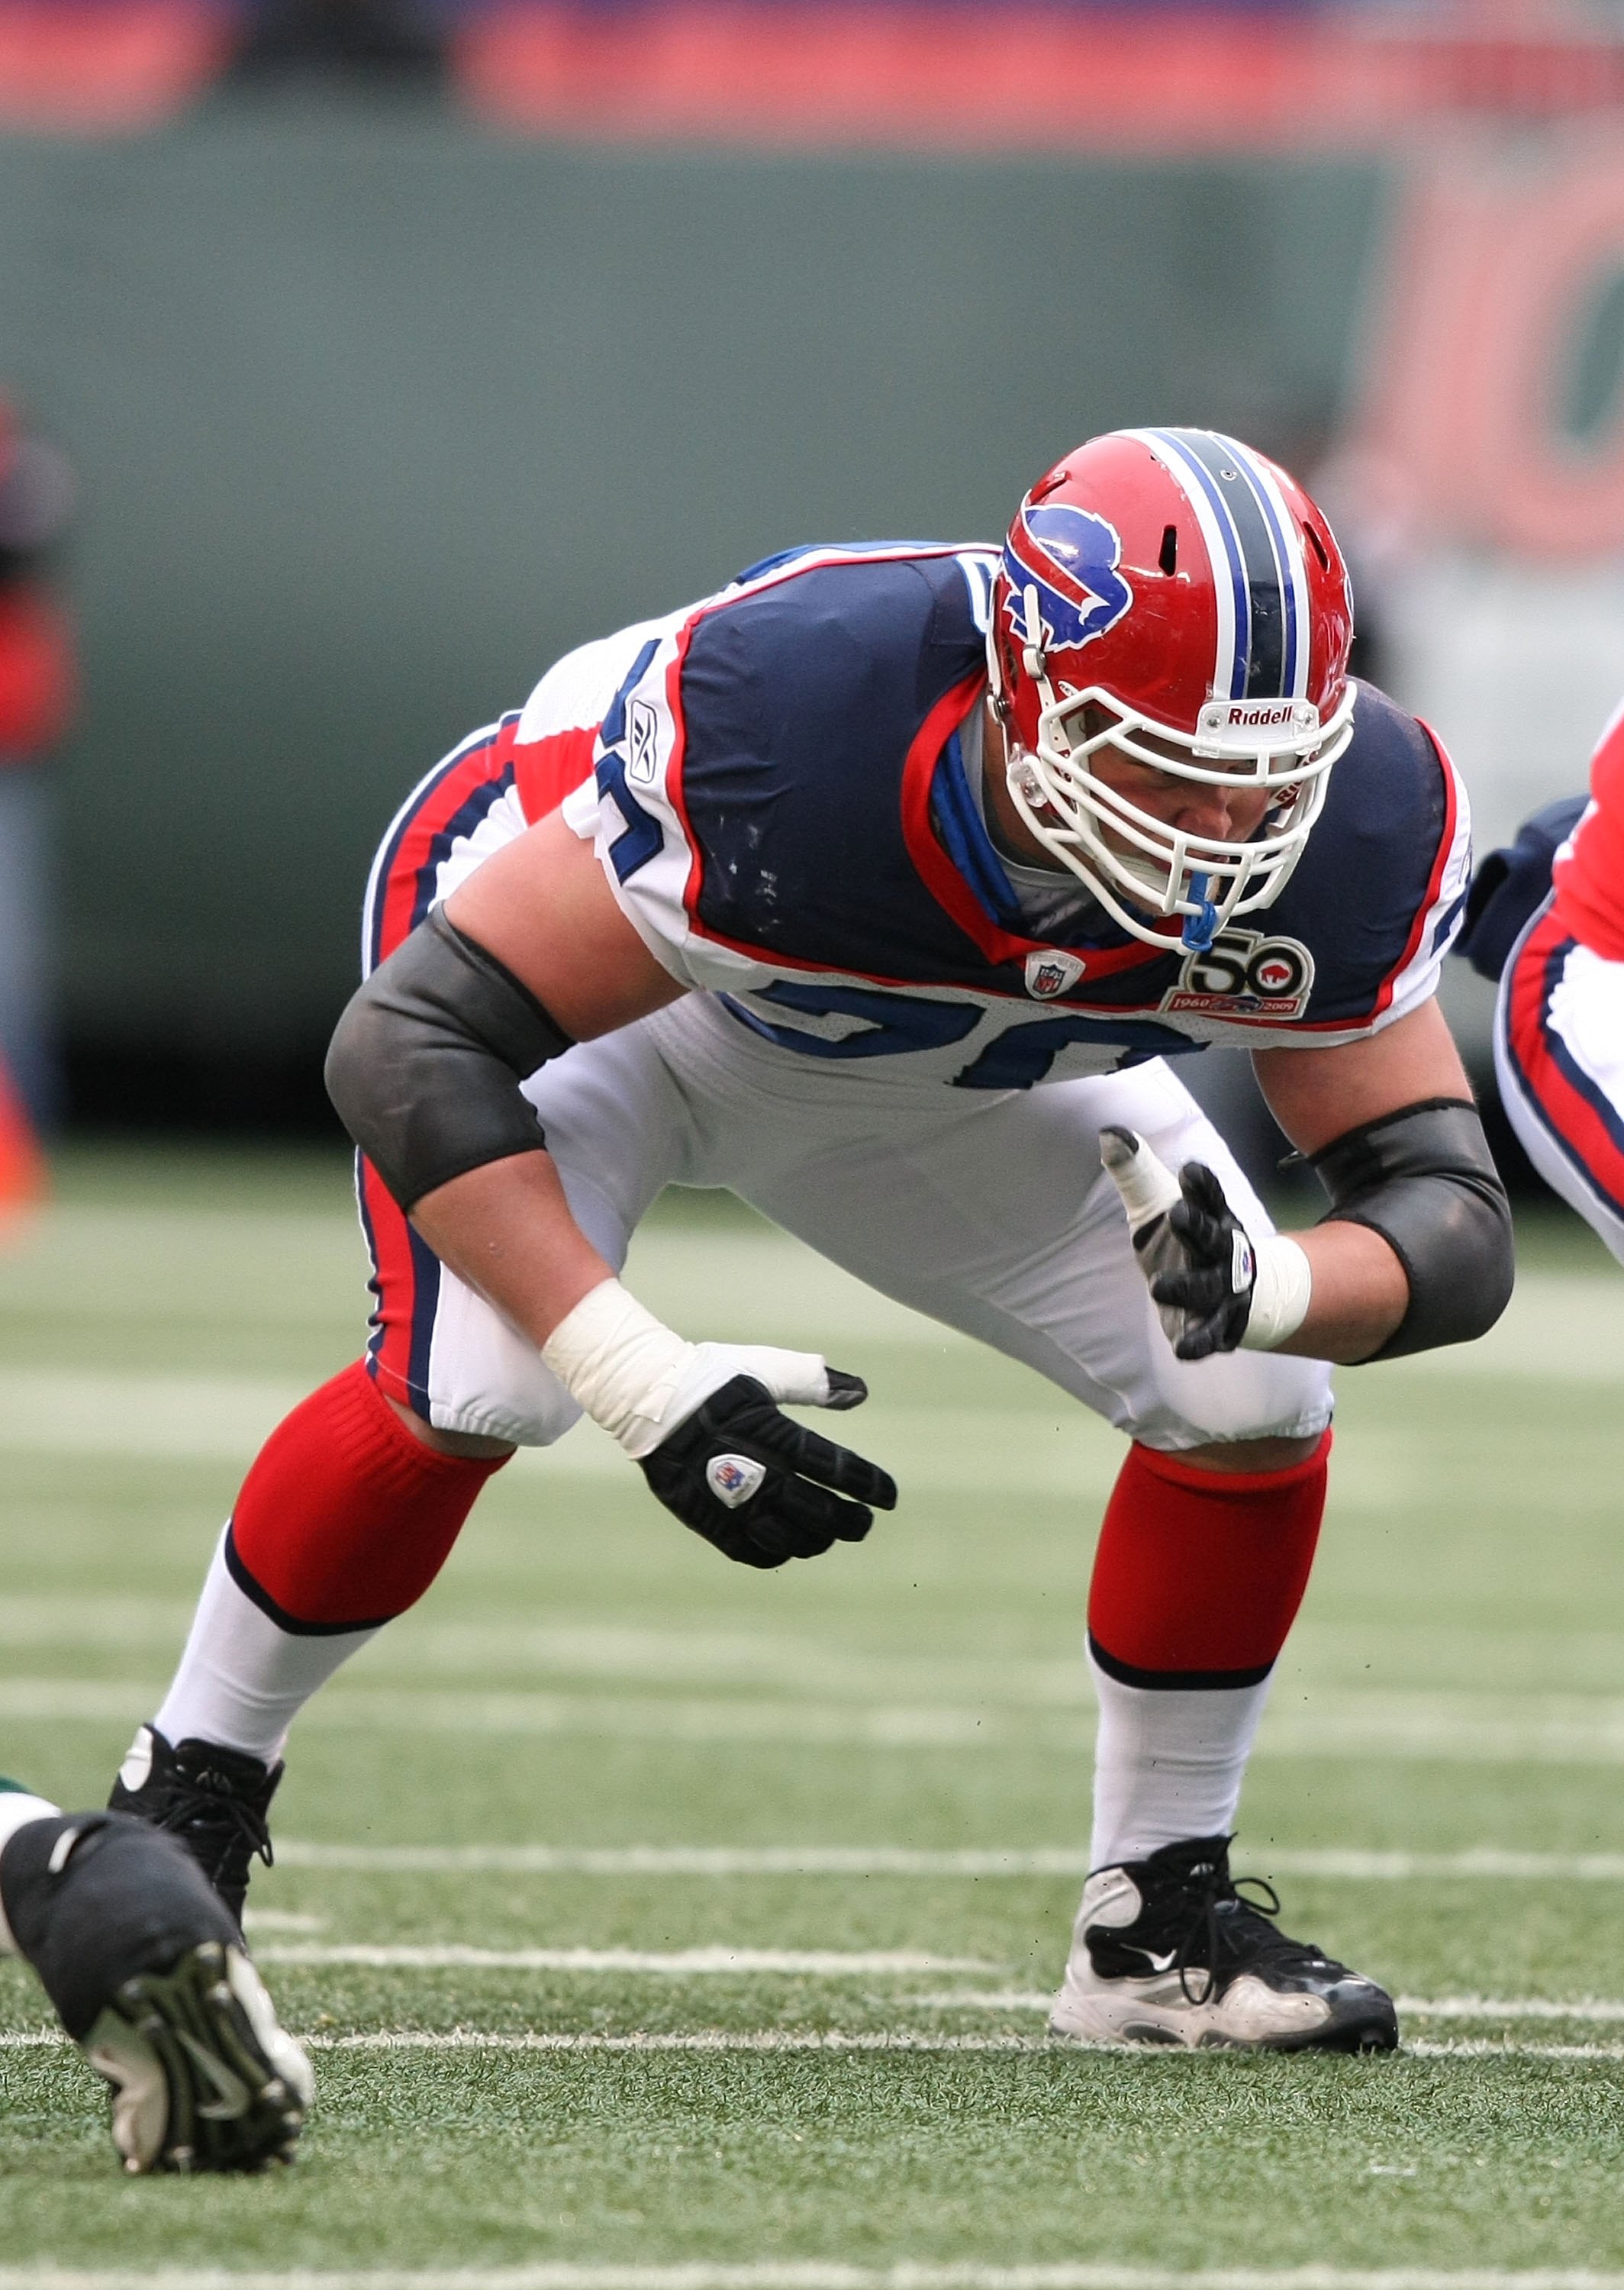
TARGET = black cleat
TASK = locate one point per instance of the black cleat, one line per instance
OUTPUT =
(1165, 1950)
(214, 1801)
(142, 1962)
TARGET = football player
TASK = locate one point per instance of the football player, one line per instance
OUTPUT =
(885, 887)
(1559, 1017)
(148, 1973)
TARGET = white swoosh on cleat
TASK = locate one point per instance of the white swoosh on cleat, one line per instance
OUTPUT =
(1159, 1963)
(234, 2092)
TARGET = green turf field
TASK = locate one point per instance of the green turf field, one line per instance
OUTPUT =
(648, 1911)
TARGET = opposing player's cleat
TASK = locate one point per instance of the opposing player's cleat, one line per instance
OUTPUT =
(1165, 1950)
(204, 2077)
(214, 1801)
(141, 1960)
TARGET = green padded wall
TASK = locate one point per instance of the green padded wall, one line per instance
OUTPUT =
(376, 413)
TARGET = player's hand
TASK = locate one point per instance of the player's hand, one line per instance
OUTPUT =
(763, 1488)
(703, 1422)
(1214, 1289)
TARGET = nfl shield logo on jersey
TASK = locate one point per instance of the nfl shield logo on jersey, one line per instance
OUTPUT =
(1051, 973)
(733, 1479)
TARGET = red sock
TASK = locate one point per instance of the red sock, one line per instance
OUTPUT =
(1199, 1574)
(346, 1517)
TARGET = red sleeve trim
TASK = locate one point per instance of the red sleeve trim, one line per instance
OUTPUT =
(547, 770)
(1425, 911)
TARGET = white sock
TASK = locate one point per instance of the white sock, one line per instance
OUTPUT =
(18, 1808)
(1167, 1766)
(242, 1679)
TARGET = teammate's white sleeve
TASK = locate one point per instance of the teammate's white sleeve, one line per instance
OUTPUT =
(18, 1808)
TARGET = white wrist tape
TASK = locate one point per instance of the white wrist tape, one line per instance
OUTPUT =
(1148, 1188)
(640, 1379)
(622, 1363)
(1280, 1299)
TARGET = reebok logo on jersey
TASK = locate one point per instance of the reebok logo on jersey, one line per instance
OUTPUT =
(1052, 974)
(642, 743)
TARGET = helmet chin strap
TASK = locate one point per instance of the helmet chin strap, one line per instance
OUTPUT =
(1032, 657)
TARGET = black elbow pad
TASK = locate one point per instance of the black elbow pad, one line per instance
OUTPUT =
(1423, 1178)
(426, 1061)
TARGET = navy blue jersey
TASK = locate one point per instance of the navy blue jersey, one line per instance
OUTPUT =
(781, 801)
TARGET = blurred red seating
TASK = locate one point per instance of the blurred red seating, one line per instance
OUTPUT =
(1035, 77)
(111, 65)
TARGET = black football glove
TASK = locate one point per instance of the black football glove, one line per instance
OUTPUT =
(1212, 1290)
(1192, 1247)
(762, 1487)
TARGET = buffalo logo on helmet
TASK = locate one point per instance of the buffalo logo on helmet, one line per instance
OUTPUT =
(1069, 556)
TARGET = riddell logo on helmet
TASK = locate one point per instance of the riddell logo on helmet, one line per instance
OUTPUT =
(1258, 716)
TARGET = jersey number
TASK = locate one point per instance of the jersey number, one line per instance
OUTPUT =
(896, 1023)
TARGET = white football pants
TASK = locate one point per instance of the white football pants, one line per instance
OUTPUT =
(989, 1211)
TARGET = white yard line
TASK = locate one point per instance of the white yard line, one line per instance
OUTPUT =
(980, 1999)
(707, 2039)
(688, 1859)
(818, 2274)
(1490, 2047)
(181, 1418)
(900, 1861)
(1382, 1725)
(1567, 1328)
(746, 2042)
(1600, 2011)
(884, 2040)
(682, 1962)
(611, 1716)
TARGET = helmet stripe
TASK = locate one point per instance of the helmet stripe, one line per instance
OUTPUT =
(1235, 683)
(1260, 671)
(1292, 565)
(1223, 554)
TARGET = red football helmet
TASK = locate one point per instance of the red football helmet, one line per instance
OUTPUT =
(1170, 583)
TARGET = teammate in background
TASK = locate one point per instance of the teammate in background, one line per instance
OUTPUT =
(148, 1973)
(1559, 1020)
(878, 888)
(37, 697)
(142, 1963)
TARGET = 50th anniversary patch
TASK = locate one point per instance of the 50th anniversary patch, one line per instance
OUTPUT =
(1243, 971)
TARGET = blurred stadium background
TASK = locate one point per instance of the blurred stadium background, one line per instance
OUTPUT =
(398, 347)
